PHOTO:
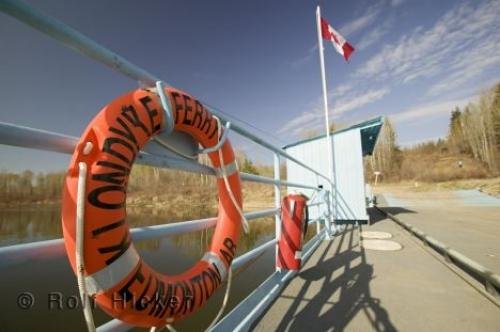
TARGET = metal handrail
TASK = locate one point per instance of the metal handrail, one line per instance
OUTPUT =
(88, 47)
(48, 249)
(21, 136)
(116, 325)
(26, 137)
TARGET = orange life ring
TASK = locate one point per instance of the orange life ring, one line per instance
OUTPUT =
(122, 284)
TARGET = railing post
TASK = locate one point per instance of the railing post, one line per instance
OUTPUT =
(318, 223)
(277, 203)
(330, 216)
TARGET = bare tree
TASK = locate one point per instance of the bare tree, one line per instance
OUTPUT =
(384, 155)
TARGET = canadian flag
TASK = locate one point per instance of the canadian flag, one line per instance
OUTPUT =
(340, 44)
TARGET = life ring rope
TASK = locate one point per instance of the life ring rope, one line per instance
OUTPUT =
(79, 252)
(108, 261)
(224, 174)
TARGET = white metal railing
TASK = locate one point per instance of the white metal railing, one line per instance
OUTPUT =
(20, 136)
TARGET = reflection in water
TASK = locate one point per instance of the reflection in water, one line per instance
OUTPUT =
(29, 223)
(172, 254)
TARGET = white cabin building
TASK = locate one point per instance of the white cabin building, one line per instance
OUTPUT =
(349, 146)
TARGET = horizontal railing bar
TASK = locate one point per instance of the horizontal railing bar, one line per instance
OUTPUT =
(114, 325)
(158, 231)
(271, 147)
(88, 47)
(241, 317)
(65, 144)
(313, 221)
(26, 137)
(173, 163)
(32, 138)
(118, 325)
(249, 255)
(267, 180)
(75, 40)
(21, 253)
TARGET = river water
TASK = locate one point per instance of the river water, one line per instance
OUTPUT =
(53, 284)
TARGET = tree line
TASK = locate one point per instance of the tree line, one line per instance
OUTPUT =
(28, 187)
(471, 148)
(475, 130)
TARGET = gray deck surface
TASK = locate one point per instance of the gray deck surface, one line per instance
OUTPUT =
(466, 220)
(344, 287)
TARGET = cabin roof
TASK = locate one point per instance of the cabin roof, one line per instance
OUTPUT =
(369, 132)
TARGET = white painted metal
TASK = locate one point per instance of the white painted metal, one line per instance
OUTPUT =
(369, 195)
(50, 249)
(329, 147)
(349, 198)
(39, 139)
(312, 153)
(349, 176)
(277, 204)
(245, 313)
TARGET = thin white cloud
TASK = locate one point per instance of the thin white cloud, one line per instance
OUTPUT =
(354, 102)
(363, 21)
(340, 90)
(464, 41)
(296, 125)
(430, 110)
(471, 65)
(315, 118)
(373, 36)
(305, 59)
(396, 3)
(454, 51)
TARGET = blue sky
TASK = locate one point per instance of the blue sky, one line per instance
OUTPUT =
(257, 61)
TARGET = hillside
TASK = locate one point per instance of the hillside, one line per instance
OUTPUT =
(471, 149)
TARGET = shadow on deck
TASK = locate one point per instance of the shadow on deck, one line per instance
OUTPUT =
(335, 287)
(376, 216)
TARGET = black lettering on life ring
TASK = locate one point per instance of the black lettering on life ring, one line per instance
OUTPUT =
(198, 114)
(108, 144)
(215, 130)
(177, 105)
(118, 249)
(129, 113)
(159, 300)
(152, 113)
(187, 300)
(125, 292)
(230, 252)
(94, 197)
(112, 177)
(206, 122)
(106, 228)
(142, 302)
(187, 109)
(196, 282)
(125, 133)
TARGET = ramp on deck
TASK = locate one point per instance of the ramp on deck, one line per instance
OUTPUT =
(344, 287)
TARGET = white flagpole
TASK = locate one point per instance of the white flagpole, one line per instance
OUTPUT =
(327, 122)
